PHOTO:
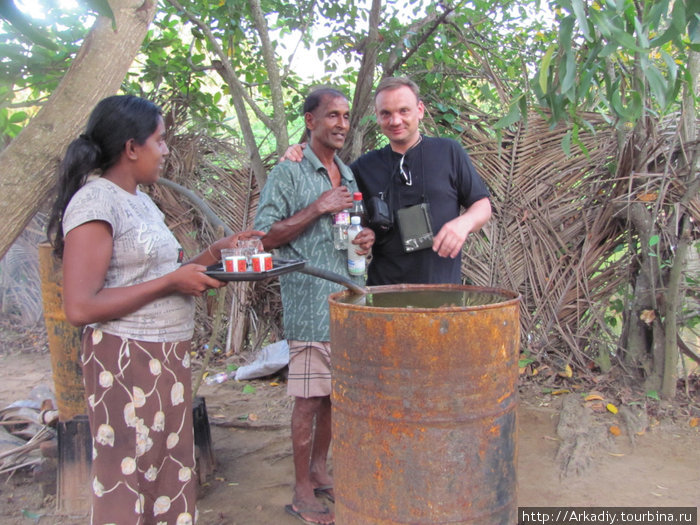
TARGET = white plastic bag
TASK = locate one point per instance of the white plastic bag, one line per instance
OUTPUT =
(271, 358)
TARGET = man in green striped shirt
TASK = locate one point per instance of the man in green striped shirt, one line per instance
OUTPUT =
(296, 210)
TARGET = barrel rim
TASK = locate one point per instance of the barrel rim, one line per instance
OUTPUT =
(515, 298)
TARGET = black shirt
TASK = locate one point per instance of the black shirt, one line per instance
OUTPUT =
(443, 174)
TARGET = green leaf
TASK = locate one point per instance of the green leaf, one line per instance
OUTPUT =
(653, 17)
(640, 31)
(633, 110)
(20, 116)
(694, 29)
(544, 67)
(249, 389)
(657, 83)
(569, 81)
(449, 118)
(511, 117)
(580, 12)
(609, 28)
(525, 361)
(653, 394)
(566, 143)
(566, 31)
(653, 240)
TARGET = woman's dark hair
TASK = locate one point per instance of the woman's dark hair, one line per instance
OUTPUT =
(314, 99)
(114, 121)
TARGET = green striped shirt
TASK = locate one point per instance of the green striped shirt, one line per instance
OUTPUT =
(290, 188)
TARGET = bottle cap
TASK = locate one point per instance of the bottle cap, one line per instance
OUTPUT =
(355, 220)
(357, 196)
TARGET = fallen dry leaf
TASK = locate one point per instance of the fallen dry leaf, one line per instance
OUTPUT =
(567, 372)
(648, 196)
(694, 421)
(648, 316)
(615, 430)
(611, 408)
(593, 397)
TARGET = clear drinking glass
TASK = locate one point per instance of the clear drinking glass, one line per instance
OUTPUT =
(250, 247)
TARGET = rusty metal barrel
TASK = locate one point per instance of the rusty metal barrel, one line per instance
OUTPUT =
(74, 440)
(424, 405)
(63, 339)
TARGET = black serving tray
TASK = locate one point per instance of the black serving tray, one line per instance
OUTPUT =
(279, 267)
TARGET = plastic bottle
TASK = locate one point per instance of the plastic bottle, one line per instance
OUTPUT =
(341, 223)
(358, 207)
(356, 262)
(219, 378)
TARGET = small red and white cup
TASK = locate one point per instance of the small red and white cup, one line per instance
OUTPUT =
(235, 264)
(233, 261)
(262, 262)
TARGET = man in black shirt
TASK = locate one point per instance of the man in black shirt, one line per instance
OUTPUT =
(412, 170)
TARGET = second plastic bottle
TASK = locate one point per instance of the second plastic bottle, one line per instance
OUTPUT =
(356, 262)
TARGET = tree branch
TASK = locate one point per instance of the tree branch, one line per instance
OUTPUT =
(279, 127)
(239, 96)
(432, 22)
(231, 79)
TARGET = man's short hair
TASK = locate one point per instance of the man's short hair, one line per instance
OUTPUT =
(313, 100)
(390, 83)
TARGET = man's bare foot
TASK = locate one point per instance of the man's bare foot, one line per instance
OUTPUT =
(325, 491)
(323, 484)
(311, 515)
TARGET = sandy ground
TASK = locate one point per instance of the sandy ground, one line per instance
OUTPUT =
(253, 479)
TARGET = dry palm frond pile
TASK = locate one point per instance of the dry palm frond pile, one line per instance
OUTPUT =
(20, 290)
(560, 223)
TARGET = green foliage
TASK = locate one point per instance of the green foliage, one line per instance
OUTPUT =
(653, 394)
(623, 58)
(34, 60)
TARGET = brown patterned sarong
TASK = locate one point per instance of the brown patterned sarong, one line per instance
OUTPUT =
(140, 411)
(309, 369)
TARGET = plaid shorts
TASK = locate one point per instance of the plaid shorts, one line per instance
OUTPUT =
(309, 369)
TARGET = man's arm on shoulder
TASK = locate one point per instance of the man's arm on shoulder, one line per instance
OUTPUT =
(295, 152)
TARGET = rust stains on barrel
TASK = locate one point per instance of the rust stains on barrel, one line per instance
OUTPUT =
(424, 410)
(63, 339)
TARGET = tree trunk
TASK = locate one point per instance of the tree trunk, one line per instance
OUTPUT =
(362, 104)
(690, 159)
(29, 162)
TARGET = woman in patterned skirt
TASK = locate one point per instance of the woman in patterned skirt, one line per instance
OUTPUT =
(125, 281)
